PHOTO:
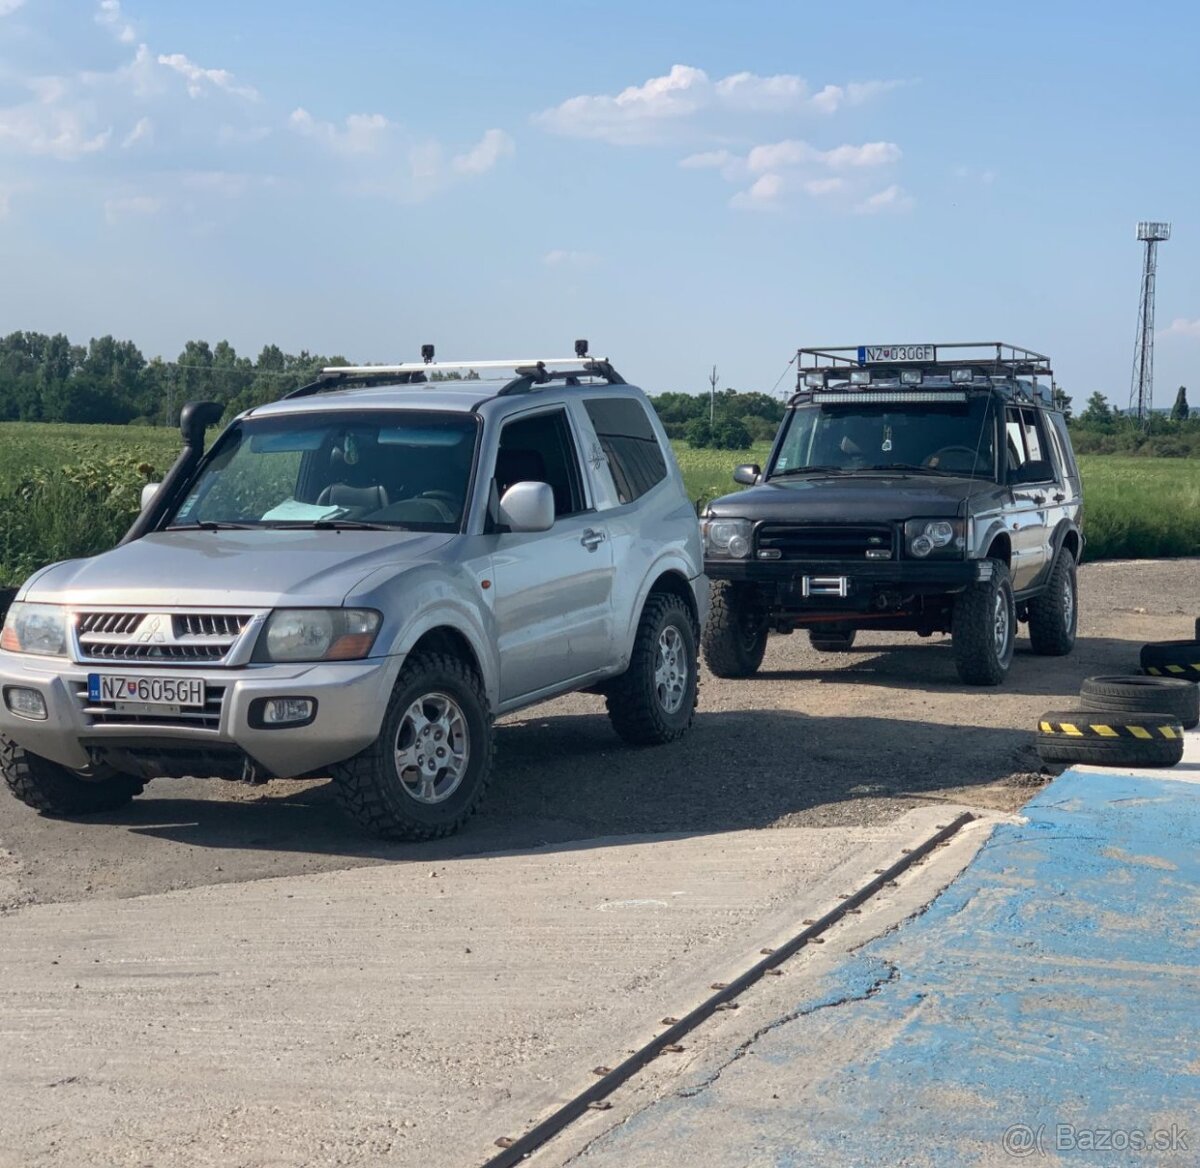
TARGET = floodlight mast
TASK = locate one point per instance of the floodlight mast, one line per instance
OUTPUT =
(1141, 395)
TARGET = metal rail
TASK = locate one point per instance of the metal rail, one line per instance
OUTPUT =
(514, 1151)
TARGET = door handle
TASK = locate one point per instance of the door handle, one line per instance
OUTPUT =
(1059, 497)
(1039, 500)
(592, 539)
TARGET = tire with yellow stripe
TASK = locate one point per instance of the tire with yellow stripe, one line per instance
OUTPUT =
(1125, 740)
(1172, 659)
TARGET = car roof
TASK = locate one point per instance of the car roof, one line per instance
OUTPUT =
(474, 396)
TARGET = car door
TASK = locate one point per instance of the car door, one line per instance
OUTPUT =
(1027, 518)
(553, 589)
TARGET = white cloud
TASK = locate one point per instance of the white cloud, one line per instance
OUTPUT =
(709, 160)
(199, 79)
(359, 134)
(133, 205)
(8, 6)
(142, 132)
(891, 198)
(110, 16)
(564, 258)
(825, 186)
(494, 145)
(671, 106)
(53, 123)
(1181, 327)
(764, 195)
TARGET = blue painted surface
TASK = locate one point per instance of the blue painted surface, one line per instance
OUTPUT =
(1055, 984)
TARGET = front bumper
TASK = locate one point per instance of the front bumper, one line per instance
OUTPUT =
(351, 697)
(865, 582)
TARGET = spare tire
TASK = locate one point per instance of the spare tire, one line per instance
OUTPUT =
(1172, 659)
(1137, 695)
(1125, 740)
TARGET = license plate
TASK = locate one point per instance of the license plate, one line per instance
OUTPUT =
(178, 692)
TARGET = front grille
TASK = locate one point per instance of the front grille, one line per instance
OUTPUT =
(104, 713)
(825, 541)
(167, 638)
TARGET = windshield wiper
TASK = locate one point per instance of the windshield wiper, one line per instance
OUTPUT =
(343, 525)
(804, 470)
(211, 525)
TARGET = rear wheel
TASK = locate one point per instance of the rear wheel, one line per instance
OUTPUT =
(983, 628)
(1054, 616)
(735, 637)
(426, 773)
(829, 642)
(55, 790)
(654, 700)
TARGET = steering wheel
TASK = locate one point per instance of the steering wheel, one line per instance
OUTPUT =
(935, 459)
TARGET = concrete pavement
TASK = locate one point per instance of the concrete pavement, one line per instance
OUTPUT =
(396, 1015)
(1044, 1009)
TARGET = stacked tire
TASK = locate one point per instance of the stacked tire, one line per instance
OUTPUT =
(1122, 722)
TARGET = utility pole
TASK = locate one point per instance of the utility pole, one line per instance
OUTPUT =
(712, 396)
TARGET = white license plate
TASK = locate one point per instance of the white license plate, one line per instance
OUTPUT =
(178, 692)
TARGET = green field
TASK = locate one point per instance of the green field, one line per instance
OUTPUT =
(73, 490)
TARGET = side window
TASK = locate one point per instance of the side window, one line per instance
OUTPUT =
(635, 458)
(1033, 437)
(1058, 430)
(1014, 439)
(541, 450)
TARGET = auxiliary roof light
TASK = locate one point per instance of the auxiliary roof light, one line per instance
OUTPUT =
(581, 348)
(814, 380)
(959, 376)
(860, 377)
(911, 377)
(427, 354)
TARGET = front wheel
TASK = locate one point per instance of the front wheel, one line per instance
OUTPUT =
(984, 627)
(54, 790)
(654, 700)
(425, 774)
(735, 637)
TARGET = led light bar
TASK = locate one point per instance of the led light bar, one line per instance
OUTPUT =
(849, 398)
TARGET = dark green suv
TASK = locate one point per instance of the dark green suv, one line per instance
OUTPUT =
(919, 488)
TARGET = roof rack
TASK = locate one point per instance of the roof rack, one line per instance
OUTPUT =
(529, 372)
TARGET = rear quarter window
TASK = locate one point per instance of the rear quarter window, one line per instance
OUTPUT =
(1058, 425)
(635, 459)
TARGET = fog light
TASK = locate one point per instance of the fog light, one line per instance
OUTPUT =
(25, 703)
(271, 713)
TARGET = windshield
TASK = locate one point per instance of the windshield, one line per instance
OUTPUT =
(923, 438)
(407, 469)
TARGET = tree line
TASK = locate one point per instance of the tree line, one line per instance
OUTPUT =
(49, 379)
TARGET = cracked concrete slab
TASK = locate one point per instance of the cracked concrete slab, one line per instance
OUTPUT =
(403, 1015)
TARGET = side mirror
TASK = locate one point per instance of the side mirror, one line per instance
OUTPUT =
(747, 474)
(528, 507)
(148, 493)
(195, 418)
(1036, 470)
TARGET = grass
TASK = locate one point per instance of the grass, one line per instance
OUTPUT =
(70, 491)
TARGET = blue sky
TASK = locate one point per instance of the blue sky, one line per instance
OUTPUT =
(683, 183)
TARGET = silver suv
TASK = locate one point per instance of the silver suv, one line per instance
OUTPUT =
(353, 582)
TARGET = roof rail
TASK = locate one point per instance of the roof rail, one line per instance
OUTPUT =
(529, 372)
(995, 358)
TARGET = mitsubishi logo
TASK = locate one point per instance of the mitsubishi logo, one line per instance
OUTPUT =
(151, 630)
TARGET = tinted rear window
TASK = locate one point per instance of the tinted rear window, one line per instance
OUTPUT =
(634, 456)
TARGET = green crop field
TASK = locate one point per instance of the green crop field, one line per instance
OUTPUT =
(73, 490)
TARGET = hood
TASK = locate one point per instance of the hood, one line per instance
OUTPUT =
(233, 569)
(852, 498)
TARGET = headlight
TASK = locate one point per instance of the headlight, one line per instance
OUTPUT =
(317, 634)
(35, 628)
(924, 537)
(728, 537)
